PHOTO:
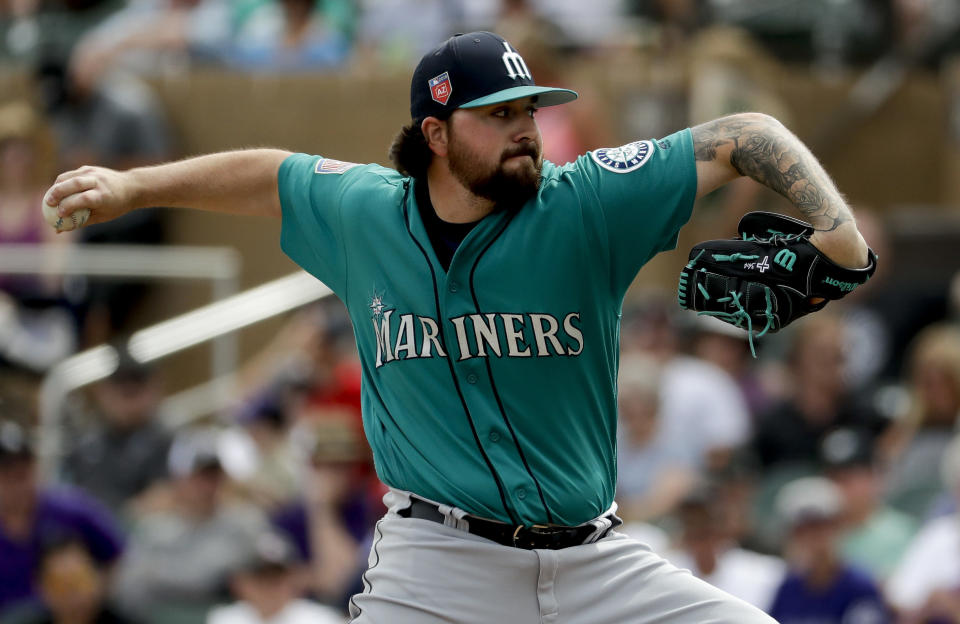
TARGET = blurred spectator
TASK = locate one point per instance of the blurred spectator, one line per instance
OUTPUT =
(913, 480)
(31, 515)
(875, 535)
(26, 169)
(654, 470)
(706, 548)
(31, 28)
(790, 433)
(73, 587)
(151, 37)
(272, 477)
(290, 35)
(700, 405)
(925, 30)
(820, 585)
(866, 312)
(268, 591)
(178, 559)
(35, 331)
(312, 371)
(335, 515)
(117, 123)
(396, 33)
(121, 457)
(925, 586)
(601, 24)
(310, 366)
(676, 20)
(726, 347)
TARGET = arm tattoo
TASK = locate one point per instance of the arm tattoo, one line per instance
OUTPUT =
(763, 149)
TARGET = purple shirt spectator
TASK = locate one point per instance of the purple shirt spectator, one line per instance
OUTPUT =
(59, 513)
(292, 521)
(851, 597)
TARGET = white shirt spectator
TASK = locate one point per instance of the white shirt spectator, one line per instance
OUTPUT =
(702, 406)
(748, 575)
(932, 562)
(296, 612)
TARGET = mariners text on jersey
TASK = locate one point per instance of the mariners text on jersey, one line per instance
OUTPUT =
(478, 335)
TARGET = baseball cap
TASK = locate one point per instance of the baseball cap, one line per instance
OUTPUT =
(808, 499)
(471, 70)
(271, 553)
(192, 452)
(15, 444)
(846, 448)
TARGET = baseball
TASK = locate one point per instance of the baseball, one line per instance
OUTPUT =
(65, 224)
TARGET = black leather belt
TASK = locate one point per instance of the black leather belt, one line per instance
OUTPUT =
(528, 538)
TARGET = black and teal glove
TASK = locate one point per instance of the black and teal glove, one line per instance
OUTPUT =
(766, 278)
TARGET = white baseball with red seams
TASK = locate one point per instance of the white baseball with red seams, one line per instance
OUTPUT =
(65, 224)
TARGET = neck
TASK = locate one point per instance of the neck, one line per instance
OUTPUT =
(453, 202)
(823, 571)
(75, 617)
(16, 519)
(268, 611)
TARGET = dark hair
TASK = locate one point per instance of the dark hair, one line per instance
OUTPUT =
(409, 151)
(59, 542)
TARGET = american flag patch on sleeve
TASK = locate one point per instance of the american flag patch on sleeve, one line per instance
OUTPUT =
(329, 165)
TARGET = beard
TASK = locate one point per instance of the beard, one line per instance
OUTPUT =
(509, 190)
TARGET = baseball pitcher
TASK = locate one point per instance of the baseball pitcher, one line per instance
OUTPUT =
(485, 286)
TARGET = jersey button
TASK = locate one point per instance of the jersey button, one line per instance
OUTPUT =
(454, 287)
(521, 493)
(494, 436)
(472, 379)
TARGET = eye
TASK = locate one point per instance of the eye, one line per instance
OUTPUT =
(532, 111)
(502, 113)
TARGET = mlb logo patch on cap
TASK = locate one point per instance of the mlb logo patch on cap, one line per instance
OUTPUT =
(440, 88)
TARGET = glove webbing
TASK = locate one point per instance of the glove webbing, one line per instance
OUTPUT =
(739, 317)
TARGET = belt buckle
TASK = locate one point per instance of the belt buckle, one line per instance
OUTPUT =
(516, 534)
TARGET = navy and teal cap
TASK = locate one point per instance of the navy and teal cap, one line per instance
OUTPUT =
(471, 70)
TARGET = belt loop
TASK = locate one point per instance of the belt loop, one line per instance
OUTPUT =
(454, 517)
(601, 526)
(461, 519)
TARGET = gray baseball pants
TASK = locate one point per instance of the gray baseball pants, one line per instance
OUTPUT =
(423, 572)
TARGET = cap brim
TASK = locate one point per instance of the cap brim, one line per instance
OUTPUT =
(546, 96)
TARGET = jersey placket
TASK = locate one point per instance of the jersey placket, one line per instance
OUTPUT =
(456, 305)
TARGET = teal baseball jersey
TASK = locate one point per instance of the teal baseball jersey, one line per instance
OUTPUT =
(491, 386)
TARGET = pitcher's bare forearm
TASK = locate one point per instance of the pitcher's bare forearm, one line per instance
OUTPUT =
(240, 182)
(760, 147)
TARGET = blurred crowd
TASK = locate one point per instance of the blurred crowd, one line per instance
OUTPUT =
(819, 481)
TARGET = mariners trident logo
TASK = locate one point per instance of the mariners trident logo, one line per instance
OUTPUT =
(516, 68)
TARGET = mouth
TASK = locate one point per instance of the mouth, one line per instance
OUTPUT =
(530, 152)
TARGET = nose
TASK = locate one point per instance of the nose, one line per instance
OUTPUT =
(527, 129)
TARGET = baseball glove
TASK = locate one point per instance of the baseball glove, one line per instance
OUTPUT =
(766, 278)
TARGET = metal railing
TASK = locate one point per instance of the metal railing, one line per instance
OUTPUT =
(206, 323)
(218, 265)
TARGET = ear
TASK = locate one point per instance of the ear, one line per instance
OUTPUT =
(436, 134)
